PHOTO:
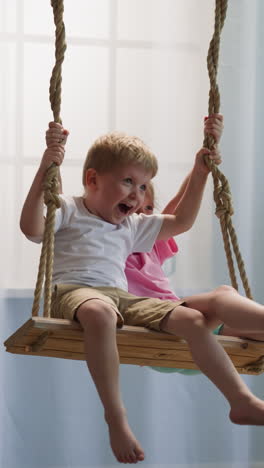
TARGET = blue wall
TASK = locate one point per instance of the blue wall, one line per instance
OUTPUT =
(51, 415)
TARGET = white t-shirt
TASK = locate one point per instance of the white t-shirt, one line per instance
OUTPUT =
(91, 251)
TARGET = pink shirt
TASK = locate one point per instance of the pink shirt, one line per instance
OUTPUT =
(144, 271)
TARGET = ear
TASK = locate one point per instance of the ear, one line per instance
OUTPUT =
(91, 178)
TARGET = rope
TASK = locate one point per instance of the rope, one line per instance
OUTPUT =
(51, 183)
(222, 193)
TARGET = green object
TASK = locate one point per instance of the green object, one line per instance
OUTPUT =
(171, 370)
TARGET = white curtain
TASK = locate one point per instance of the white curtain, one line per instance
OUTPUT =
(137, 66)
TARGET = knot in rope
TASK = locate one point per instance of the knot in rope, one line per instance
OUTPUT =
(51, 186)
(223, 199)
(51, 197)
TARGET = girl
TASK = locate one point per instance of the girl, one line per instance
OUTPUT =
(146, 277)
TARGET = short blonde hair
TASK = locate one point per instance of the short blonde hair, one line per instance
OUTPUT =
(151, 192)
(117, 149)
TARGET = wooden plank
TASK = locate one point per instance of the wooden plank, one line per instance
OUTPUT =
(22, 331)
(124, 360)
(169, 358)
(129, 335)
(137, 345)
(47, 353)
(55, 341)
(235, 345)
(126, 351)
(134, 336)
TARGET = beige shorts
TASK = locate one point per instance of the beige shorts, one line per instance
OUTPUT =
(130, 309)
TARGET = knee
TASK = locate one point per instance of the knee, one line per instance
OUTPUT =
(222, 291)
(194, 320)
(225, 289)
(185, 323)
(96, 315)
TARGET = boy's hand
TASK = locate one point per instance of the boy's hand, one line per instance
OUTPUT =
(200, 166)
(213, 125)
(56, 134)
(54, 154)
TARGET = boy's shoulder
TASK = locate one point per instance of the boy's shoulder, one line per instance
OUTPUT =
(143, 224)
(71, 204)
(141, 219)
(71, 207)
(69, 200)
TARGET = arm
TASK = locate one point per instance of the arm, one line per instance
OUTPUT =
(213, 125)
(32, 218)
(32, 221)
(172, 205)
(188, 207)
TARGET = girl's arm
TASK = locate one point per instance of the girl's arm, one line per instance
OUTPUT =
(173, 203)
(213, 125)
(188, 207)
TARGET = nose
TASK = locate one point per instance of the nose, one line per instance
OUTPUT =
(136, 194)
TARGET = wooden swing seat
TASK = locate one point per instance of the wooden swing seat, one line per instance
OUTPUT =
(61, 338)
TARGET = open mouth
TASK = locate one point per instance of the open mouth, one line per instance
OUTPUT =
(124, 208)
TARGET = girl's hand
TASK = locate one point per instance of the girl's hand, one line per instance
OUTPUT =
(213, 125)
(200, 164)
(53, 154)
(56, 134)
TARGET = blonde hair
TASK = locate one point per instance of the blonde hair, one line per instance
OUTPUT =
(151, 192)
(118, 149)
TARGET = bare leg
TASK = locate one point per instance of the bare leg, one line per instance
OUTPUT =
(99, 323)
(227, 331)
(225, 304)
(215, 364)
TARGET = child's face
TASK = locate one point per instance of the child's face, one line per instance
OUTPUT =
(119, 193)
(148, 205)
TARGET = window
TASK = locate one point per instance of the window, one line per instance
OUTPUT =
(133, 65)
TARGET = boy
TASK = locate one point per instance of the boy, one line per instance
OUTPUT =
(94, 235)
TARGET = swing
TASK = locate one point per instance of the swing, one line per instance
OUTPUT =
(46, 336)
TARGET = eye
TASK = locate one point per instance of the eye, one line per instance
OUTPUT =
(149, 208)
(128, 180)
(143, 188)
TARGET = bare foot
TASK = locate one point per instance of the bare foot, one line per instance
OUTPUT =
(125, 446)
(249, 411)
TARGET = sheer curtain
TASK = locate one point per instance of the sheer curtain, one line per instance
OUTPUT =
(137, 66)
